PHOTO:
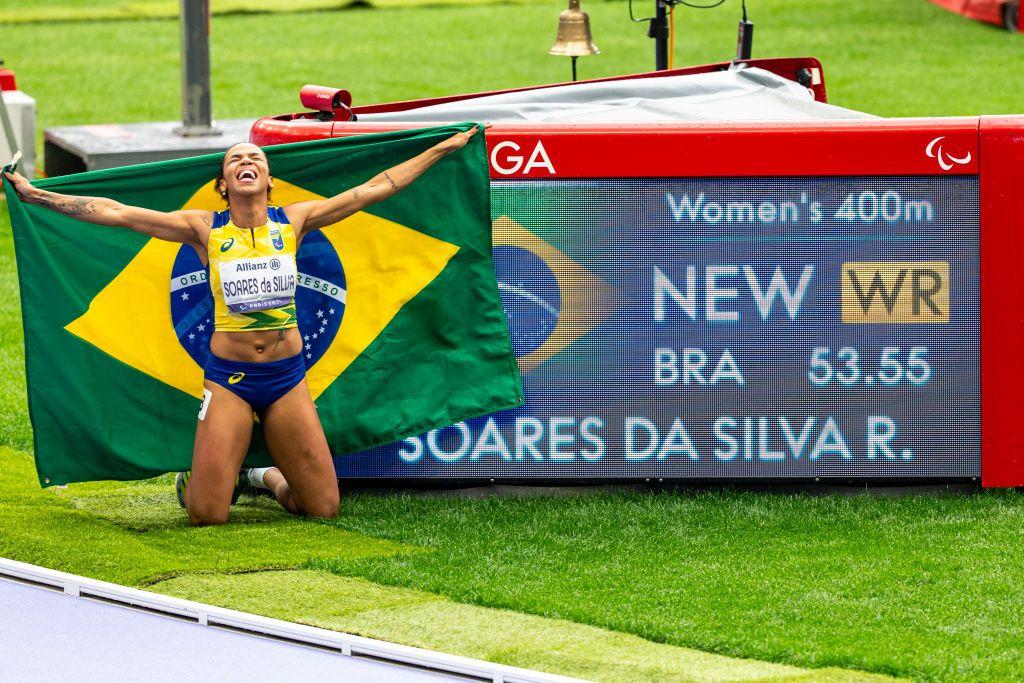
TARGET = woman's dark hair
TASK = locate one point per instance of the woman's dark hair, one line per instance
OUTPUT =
(220, 177)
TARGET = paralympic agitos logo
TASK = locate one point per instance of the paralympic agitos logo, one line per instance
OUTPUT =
(934, 150)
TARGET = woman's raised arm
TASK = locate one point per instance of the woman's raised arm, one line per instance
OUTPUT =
(186, 227)
(316, 214)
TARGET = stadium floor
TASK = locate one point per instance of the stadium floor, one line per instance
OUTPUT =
(46, 635)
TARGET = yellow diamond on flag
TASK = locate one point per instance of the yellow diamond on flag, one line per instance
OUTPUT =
(386, 264)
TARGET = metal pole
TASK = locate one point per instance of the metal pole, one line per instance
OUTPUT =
(659, 31)
(196, 109)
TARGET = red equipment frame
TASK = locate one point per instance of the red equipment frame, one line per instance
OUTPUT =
(7, 80)
(990, 147)
(988, 11)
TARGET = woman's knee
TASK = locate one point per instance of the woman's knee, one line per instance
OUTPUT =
(325, 506)
(208, 515)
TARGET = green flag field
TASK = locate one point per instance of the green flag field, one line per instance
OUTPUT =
(398, 306)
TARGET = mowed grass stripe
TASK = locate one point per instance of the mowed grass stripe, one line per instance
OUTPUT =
(426, 620)
(114, 10)
(135, 534)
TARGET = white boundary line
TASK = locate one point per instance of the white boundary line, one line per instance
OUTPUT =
(209, 615)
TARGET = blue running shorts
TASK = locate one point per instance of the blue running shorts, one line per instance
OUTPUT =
(259, 384)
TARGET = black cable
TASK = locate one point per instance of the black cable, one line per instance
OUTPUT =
(634, 18)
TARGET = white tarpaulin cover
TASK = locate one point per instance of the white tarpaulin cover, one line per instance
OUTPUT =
(50, 636)
(739, 95)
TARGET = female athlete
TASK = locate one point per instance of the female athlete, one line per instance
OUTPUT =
(255, 363)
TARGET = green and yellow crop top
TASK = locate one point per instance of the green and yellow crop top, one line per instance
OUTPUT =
(252, 273)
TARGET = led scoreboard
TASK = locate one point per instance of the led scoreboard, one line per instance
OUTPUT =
(737, 327)
(684, 327)
(835, 301)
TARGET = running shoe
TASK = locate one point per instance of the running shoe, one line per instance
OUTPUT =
(180, 482)
(248, 489)
(243, 485)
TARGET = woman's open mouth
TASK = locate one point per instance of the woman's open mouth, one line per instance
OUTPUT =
(247, 175)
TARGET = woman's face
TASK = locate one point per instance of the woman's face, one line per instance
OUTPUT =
(246, 171)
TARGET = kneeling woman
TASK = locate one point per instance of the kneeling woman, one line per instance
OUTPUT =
(256, 362)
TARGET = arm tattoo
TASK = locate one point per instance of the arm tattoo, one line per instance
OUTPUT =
(355, 193)
(69, 206)
(392, 182)
(209, 225)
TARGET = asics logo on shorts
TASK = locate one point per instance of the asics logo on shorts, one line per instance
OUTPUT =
(236, 378)
(227, 245)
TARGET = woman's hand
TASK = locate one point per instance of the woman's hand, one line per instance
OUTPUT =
(21, 185)
(459, 140)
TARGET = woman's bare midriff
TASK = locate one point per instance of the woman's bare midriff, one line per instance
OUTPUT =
(260, 346)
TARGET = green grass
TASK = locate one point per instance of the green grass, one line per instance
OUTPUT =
(42, 11)
(919, 61)
(927, 587)
(15, 430)
(631, 586)
(136, 534)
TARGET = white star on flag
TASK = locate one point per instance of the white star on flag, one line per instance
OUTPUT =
(184, 296)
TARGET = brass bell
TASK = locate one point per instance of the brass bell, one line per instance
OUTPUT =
(574, 39)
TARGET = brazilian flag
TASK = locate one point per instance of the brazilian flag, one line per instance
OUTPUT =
(402, 324)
